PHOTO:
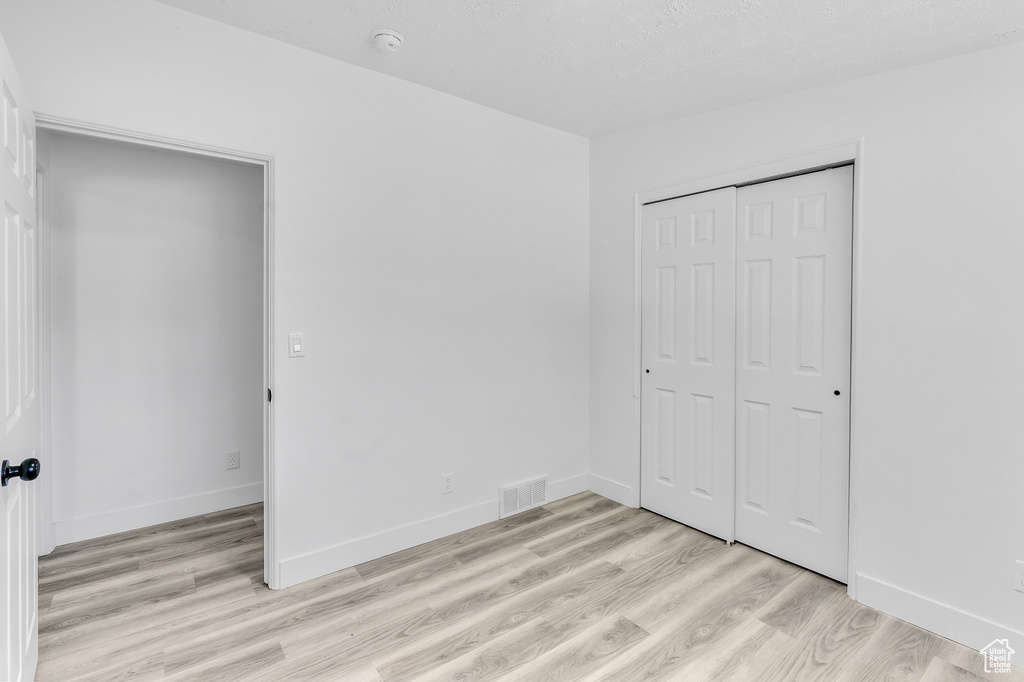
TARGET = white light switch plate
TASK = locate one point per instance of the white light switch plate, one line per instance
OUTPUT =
(296, 345)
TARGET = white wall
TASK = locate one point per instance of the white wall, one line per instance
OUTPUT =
(937, 401)
(433, 251)
(157, 334)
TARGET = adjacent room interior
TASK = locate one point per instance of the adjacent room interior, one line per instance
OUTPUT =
(156, 361)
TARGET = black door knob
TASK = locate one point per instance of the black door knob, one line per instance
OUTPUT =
(27, 471)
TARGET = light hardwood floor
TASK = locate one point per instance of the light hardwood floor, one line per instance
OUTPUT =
(581, 589)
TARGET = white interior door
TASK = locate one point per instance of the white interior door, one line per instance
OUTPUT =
(688, 340)
(794, 252)
(19, 391)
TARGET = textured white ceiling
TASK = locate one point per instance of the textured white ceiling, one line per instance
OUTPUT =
(597, 66)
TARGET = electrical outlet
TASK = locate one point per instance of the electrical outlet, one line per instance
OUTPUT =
(446, 484)
(1018, 576)
(233, 460)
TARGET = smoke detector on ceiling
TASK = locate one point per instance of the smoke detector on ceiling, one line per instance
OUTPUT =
(387, 40)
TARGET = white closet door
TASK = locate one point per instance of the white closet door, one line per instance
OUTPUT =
(688, 339)
(794, 256)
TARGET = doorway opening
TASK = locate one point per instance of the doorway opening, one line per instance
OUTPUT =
(157, 310)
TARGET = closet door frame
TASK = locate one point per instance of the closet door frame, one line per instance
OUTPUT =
(842, 152)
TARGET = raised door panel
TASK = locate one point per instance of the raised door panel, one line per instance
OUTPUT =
(702, 314)
(11, 338)
(753, 441)
(809, 314)
(756, 339)
(808, 451)
(664, 444)
(702, 446)
(29, 322)
(11, 574)
(665, 306)
(12, 128)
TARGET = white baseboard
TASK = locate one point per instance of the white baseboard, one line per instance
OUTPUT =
(567, 486)
(315, 564)
(949, 622)
(617, 492)
(119, 520)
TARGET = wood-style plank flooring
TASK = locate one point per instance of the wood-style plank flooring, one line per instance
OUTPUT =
(581, 589)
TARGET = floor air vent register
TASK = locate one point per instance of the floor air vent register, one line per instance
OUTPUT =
(517, 498)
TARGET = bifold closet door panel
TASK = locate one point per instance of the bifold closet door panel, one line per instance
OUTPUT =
(794, 240)
(688, 281)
